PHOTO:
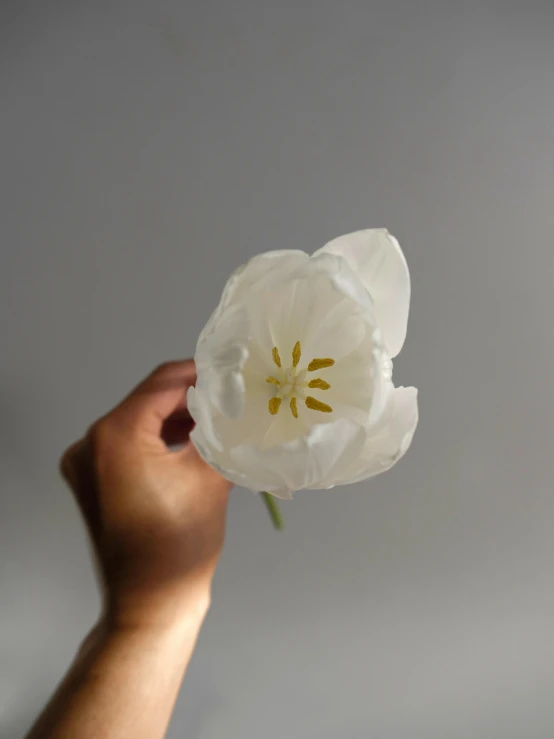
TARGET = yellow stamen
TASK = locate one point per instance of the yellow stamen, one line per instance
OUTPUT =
(296, 353)
(316, 364)
(317, 405)
(273, 380)
(319, 383)
(293, 407)
(274, 405)
(276, 357)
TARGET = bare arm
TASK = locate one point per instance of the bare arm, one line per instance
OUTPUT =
(122, 684)
(156, 520)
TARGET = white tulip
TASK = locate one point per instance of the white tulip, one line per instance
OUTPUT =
(294, 385)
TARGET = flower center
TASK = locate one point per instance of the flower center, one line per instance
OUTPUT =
(291, 384)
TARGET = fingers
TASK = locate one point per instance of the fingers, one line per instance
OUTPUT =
(162, 394)
(156, 406)
(176, 429)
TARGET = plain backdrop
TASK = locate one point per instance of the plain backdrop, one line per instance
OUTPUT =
(147, 149)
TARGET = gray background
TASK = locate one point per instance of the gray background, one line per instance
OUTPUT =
(148, 148)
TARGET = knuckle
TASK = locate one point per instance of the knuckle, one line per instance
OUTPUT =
(100, 434)
(166, 367)
(68, 462)
(101, 442)
(65, 465)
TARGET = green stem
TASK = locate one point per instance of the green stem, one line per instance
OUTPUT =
(273, 508)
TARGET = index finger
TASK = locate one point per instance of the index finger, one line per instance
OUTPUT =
(161, 394)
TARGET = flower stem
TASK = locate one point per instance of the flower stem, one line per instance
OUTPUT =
(274, 512)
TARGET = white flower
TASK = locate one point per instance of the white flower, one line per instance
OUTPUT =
(294, 368)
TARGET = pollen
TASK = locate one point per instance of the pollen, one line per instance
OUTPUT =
(290, 383)
(293, 407)
(317, 364)
(319, 383)
(274, 405)
(296, 354)
(317, 405)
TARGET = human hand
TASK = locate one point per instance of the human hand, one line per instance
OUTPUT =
(156, 517)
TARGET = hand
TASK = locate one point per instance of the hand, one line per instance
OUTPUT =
(156, 517)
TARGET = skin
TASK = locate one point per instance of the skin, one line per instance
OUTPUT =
(156, 520)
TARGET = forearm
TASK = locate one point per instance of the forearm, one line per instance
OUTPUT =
(156, 520)
(123, 683)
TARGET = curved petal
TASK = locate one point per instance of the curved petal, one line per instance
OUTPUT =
(222, 464)
(344, 277)
(378, 260)
(219, 360)
(228, 292)
(295, 465)
(321, 303)
(254, 275)
(201, 414)
(302, 463)
(390, 441)
(266, 270)
(272, 266)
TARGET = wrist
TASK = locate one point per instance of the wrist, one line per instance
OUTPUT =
(155, 612)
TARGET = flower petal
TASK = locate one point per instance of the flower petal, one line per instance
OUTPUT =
(344, 277)
(321, 302)
(265, 270)
(302, 463)
(377, 258)
(254, 276)
(201, 413)
(219, 359)
(282, 469)
(255, 477)
(390, 440)
(358, 386)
